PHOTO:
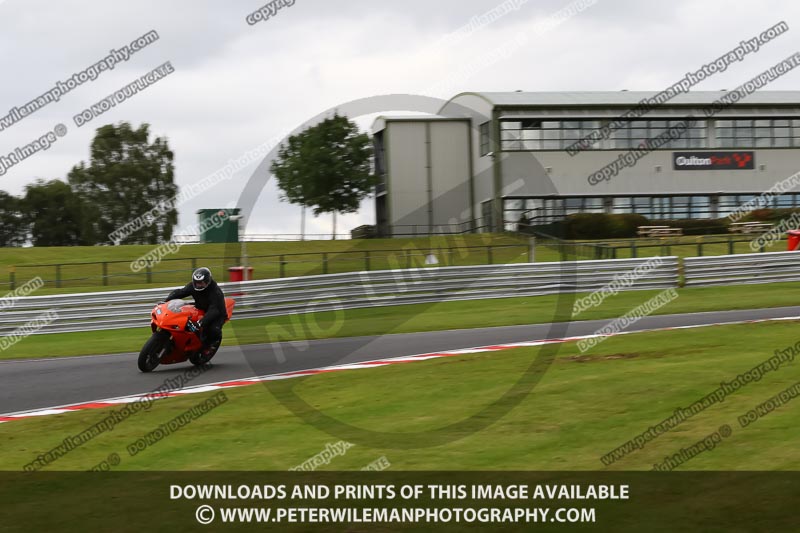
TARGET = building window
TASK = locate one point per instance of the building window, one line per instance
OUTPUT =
(758, 133)
(622, 205)
(680, 207)
(534, 209)
(593, 205)
(726, 205)
(554, 208)
(641, 205)
(527, 135)
(510, 135)
(784, 201)
(700, 207)
(658, 209)
(485, 138)
(521, 135)
(574, 206)
(661, 208)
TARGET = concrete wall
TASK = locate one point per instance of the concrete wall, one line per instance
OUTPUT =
(428, 173)
(450, 166)
(478, 110)
(407, 182)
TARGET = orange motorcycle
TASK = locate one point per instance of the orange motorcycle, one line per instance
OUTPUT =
(173, 341)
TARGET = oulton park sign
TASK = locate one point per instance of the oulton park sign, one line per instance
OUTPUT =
(713, 160)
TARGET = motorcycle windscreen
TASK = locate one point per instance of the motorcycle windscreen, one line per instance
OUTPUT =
(174, 306)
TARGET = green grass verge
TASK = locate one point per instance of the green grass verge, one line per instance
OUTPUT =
(584, 406)
(413, 318)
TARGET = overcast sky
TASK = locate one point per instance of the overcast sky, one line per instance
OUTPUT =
(238, 85)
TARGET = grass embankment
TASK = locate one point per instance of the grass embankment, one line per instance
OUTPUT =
(584, 406)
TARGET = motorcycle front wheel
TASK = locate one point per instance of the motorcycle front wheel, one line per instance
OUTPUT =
(152, 352)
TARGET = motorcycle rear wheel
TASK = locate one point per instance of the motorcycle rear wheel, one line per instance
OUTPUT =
(197, 358)
(152, 352)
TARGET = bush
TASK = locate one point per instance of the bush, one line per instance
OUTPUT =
(603, 226)
(626, 226)
(553, 229)
(592, 226)
(769, 215)
(587, 226)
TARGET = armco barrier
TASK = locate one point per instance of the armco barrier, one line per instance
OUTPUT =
(742, 268)
(275, 297)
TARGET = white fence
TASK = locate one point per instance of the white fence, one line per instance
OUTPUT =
(741, 269)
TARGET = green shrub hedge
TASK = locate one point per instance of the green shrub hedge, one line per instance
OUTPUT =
(769, 215)
(592, 226)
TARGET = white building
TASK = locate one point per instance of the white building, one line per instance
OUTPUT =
(486, 159)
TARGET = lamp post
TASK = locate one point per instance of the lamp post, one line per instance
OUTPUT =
(237, 218)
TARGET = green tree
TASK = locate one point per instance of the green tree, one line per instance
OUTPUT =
(327, 167)
(12, 224)
(53, 214)
(126, 177)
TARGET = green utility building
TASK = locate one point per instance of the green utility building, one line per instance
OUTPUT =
(216, 226)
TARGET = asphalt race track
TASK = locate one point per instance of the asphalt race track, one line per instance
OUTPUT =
(36, 384)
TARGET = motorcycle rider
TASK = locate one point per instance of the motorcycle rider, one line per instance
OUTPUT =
(208, 297)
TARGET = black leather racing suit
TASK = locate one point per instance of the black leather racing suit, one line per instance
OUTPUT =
(212, 301)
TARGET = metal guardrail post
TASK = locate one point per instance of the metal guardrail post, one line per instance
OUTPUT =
(324, 263)
(489, 257)
(149, 272)
(12, 278)
(194, 264)
(408, 259)
(366, 260)
(58, 276)
(634, 252)
(105, 273)
(699, 249)
(730, 244)
(283, 267)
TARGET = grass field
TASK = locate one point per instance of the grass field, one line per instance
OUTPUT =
(413, 318)
(468, 413)
(584, 406)
(85, 268)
